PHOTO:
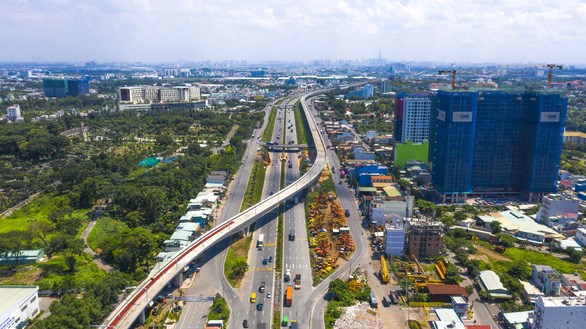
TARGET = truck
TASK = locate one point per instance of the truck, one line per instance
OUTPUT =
(260, 242)
(373, 301)
(262, 286)
(289, 296)
(297, 281)
(294, 324)
(287, 275)
(292, 234)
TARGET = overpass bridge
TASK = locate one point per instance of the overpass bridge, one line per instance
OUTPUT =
(284, 147)
(132, 307)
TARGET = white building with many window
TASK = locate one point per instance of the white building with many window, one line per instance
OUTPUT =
(416, 113)
(13, 113)
(559, 313)
(19, 303)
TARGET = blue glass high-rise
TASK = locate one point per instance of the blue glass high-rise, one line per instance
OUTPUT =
(496, 142)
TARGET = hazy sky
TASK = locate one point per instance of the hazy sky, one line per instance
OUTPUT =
(172, 30)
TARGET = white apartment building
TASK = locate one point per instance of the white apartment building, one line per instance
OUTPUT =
(556, 209)
(13, 113)
(416, 113)
(559, 313)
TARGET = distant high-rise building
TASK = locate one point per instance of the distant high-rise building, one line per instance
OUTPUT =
(61, 88)
(413, 110)
(385, 86)
(496, 142)
(365, 92)
(13, 113)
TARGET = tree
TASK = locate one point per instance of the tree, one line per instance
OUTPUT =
(576, 256)
(460, 216)
(495, 226)
(520, 270)
(14, 242)
(41, 231)
(507, 240)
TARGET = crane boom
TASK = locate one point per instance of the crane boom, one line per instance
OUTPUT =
(551, 67)
(453, 73)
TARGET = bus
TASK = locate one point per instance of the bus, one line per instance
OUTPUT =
(253, 297)
(260, 241)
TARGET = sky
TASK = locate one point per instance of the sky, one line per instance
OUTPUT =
(482, 31)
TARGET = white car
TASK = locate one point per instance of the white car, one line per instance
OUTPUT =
(269, 294)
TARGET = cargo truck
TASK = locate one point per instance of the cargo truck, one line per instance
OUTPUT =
(289, 296)
(297, 281)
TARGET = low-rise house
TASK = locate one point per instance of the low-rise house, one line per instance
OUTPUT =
(547, 279)
(490, 282)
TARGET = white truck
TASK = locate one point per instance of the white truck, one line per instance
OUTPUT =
(260, 241)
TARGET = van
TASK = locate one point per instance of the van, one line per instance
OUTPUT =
(253, 297)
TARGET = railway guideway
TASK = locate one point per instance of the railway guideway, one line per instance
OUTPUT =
(131, 308)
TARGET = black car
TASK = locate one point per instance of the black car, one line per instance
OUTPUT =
(245, 323)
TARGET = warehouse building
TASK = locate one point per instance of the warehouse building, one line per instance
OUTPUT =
(19, 303)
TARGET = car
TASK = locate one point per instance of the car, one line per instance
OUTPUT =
(269, 294)
(245, 323)
(264, 261)
(259, 307)
(270, 259)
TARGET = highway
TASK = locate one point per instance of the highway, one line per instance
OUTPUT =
(210, 280)
(257, 271)
(133, 305)
(296, 252)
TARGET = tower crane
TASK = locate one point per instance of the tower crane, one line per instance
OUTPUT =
(551, 67)
(453, 73)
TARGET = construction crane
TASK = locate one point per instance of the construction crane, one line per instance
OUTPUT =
(550, 73)
(453, 73)
(384, 270)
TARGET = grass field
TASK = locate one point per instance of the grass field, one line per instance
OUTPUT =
(105, 227)
(37, 210)
(303, 131)
(55, 273)
(501, 263)
(238, 251)
(268, 133)
(409, 151)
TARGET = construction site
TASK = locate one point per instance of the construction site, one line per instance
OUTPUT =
(328, 232)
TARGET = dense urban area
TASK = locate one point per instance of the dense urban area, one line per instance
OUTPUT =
(319, 194)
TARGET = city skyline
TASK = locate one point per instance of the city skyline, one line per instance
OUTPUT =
(181, 30)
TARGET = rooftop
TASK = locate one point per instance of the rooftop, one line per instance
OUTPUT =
(446, 289)
(12, 295)
(563, 301)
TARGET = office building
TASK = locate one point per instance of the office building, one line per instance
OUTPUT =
(496, 143)
(364, 92)
(559, 313)
(385, 86)
(424, 239)
(13, 113)
(154, 94)
(413, 111)
(61, 88)
(19, 304)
